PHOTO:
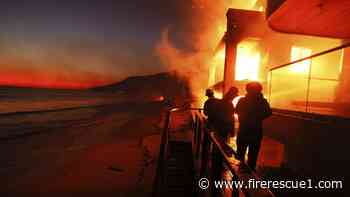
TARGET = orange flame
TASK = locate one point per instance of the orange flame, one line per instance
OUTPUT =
(204, 27)
(248, 61)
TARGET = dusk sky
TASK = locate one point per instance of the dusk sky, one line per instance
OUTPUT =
(81, 43)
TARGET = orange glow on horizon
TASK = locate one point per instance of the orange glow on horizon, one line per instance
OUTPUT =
(34, 80)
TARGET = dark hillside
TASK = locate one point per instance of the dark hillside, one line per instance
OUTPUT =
(162, 86)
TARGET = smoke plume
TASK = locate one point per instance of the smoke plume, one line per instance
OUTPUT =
(200, 30)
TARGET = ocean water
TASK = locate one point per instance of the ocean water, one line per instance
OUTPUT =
(26, 99)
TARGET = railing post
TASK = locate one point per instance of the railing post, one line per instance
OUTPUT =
(199, 136)
(308, 87)
(164, 153)
(205, 153)
(270, 86)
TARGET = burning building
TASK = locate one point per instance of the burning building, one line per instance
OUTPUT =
(258, 44)
(299, 51)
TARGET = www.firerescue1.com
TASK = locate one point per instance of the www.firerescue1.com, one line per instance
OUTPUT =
(204, 183)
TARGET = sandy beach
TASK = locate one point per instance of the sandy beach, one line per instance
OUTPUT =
(109, 150)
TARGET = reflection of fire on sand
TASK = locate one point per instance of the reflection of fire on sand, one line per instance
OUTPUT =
(107, 153)
(108, 149)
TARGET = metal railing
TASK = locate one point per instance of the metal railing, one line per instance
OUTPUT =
(160, 179)
(308, 87)
(203, 139)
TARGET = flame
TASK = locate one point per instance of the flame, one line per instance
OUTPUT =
(235, 100)
(216, 71)
(257, 5)
(202, 29)
(218, 94)
(248, 60)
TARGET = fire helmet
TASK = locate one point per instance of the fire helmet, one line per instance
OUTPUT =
(254, 87)
(209, 93)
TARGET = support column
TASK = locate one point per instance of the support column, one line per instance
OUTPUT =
(231, 42)
(344, 80)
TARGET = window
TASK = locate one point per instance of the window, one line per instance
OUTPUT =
(248, 60)
(299, 53)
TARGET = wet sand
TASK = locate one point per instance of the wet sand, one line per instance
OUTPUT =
(109, 150)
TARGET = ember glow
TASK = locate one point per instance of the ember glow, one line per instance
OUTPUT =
(160, 98)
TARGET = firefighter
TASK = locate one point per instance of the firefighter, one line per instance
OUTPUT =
(225, 126)
(210, 109)
(226, 114)
(252, 110)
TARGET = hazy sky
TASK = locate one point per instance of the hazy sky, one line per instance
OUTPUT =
(73, 43)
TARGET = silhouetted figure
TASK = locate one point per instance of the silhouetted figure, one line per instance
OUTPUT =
(226, 112)
(210, 109)
(252, 110)
(224, 126)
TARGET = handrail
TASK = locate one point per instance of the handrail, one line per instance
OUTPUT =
(202, 140)
(160, 179)
(312, 56)
(236, 168)
(313, 117)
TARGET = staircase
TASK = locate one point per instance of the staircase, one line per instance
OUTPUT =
(179, 170)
